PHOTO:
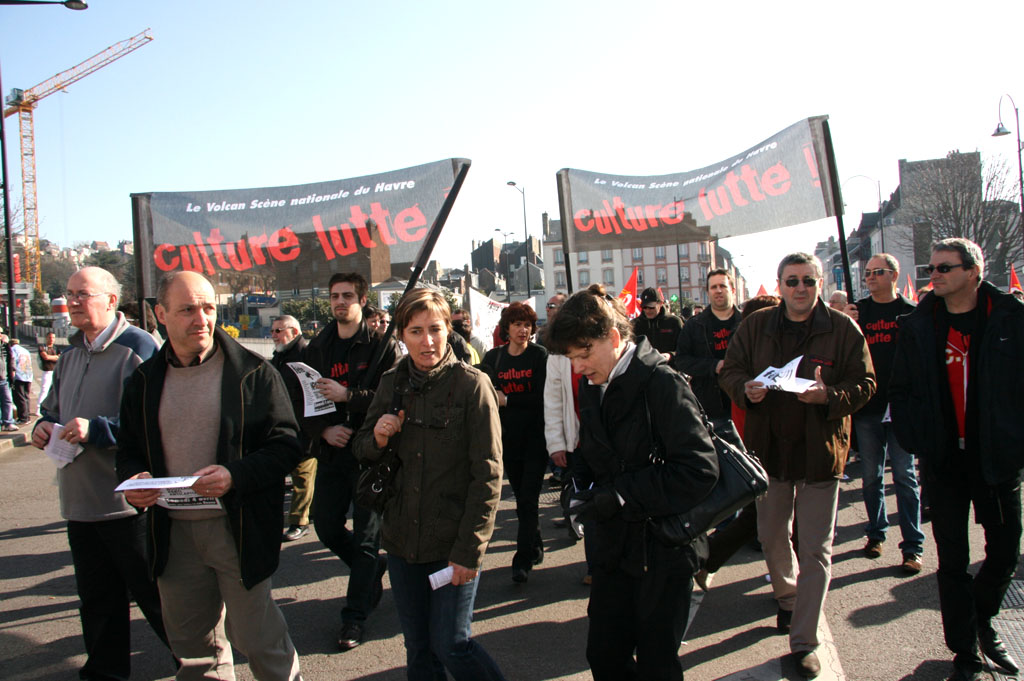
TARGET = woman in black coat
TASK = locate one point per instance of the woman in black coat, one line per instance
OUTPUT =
(644, 452)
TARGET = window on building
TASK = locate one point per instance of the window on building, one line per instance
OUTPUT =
(584, 276)
(639, 278)
(582, 257)
(606, 255)
(638, 254)
(684, 273)
(559, 256)
(659, 252)
(683, 250)
(559, 279)
(662, 276)
(608, 275)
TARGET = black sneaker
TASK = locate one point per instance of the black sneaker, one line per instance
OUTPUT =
(295, 532)
(351, 635)
(519, 575)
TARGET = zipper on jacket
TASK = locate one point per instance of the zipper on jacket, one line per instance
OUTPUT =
(241, 451)
(151, 520)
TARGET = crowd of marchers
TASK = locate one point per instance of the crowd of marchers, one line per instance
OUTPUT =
(623, 413)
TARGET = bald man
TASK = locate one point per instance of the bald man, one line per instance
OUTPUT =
(107, 536)
(205, 406)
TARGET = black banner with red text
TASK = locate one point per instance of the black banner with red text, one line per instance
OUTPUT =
(780, 182)
(283, 238)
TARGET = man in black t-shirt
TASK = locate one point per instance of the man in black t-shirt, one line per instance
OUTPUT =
(342, 353)
(655, 323)
(700, 351)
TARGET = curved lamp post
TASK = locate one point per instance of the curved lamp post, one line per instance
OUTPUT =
(526, 235)
(1000, 131)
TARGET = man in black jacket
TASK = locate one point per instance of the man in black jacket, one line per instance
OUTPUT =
(342, 353)
(660, 328)
(205, 406)
(700, 351)
(289, 346)
(956, 402)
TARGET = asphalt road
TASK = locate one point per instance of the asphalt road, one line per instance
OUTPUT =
(881, 624)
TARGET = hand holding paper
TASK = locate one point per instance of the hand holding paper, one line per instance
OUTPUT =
(817, 392)
(785, 379)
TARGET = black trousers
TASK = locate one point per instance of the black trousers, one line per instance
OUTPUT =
(359, 547)
(22, 402)
(111, 568)
(967, 602)
(644, 615)
(525, 473)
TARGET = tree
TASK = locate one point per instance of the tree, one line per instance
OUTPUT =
(303, 310)
(961, 196)
(38, 306)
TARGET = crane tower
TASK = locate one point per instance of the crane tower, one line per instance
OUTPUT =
(23, 102)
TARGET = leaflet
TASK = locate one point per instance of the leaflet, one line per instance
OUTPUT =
(61, 452)
(785, 379)
(176, 493)
(442, 577)
(314, 403)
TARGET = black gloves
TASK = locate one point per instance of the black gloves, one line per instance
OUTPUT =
(595, 504)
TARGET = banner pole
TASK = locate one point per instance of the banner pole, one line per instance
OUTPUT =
(423, 257)
(562, 180)
(837, 201)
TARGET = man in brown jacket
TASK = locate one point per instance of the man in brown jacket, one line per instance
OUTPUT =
(802, 438)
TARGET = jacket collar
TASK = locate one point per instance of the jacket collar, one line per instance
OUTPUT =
(821, 322)
(329, 332)
(629, 384)
(119, 324)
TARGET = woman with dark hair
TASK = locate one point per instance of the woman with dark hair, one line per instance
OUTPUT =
(440, 417)
(644, 452)
(518, 370)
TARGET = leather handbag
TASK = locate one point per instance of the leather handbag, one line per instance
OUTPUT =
(376, 481)
(741, 480)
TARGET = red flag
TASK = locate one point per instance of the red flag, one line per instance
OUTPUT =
(661, 295)
(628, 296)
(1014, 281)
(909, 293)
(925, 289)
(762, 291)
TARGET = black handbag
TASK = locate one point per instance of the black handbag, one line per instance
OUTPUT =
(741, 480)
(376, 481)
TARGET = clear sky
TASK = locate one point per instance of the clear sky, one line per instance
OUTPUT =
(260, 93)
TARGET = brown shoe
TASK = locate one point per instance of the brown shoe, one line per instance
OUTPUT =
(911, 563)
(873, 549)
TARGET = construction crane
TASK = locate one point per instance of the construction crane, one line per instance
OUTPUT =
(23, 102)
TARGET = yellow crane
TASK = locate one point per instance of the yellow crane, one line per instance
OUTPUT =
(23, 102)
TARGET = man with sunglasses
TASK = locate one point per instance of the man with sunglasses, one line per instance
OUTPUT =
(877, 315)
(957, 403)
(801, 438)
(289, 346)
(659, 327)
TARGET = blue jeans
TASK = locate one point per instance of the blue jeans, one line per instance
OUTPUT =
(874, 439)
(436, 625)
(6, 404)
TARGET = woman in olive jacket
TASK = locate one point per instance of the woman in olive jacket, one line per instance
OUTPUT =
(441, 417)
(644, 452)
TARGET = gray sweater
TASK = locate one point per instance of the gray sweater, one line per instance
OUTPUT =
(87, 384)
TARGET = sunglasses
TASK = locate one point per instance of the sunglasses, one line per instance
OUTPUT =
(793, 282)
(551, 306)
(946, 268)
(877, 272)
(650, 307)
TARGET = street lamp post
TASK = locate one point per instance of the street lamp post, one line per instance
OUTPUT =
(526, 234)
(70, 4)
(1000, 131)
(508, 266)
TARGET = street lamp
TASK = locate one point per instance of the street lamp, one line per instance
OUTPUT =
(508, 266)
(70, 4)
(1000, 131)
(526, 234)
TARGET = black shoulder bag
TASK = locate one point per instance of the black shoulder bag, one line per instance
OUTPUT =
(376, 483)
(741, 479)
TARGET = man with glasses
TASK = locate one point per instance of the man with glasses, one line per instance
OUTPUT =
(106, 534)
(289, 346)
(957, 403)
(802, 438)
(342, 353)
(659, 327)
(877, 315)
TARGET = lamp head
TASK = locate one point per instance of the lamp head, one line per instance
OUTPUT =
(1000, 130)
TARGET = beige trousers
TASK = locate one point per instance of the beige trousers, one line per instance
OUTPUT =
(207, 609)
(799, 582)
(303, 478)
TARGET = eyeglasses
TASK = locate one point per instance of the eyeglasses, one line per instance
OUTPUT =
(650, 307)
(551, 306)
(277, 331)
(877, 272)
(946, 268)
(793, 282)
(78, 297)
